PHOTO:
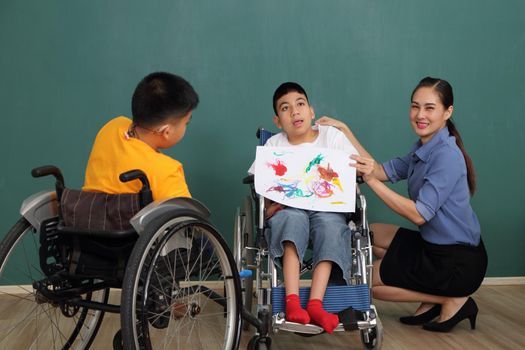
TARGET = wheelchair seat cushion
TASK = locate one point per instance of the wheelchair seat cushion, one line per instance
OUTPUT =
(98, 212)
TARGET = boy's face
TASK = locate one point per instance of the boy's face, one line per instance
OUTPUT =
(294, 116)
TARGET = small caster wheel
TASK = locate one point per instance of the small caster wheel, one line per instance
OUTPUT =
(117, 341)
(260, 343)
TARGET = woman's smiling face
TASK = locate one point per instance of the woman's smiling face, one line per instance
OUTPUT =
(428, 115)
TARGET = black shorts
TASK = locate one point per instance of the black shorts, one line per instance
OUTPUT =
(453, 270)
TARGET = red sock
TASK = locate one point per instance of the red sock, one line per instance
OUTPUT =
(321, 317)
(294, 311)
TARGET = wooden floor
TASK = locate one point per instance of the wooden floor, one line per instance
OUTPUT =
(500, 325)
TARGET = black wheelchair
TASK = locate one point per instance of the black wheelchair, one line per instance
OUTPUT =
(261, 280)
(178, 283)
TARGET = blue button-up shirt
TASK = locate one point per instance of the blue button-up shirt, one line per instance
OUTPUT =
(437, 182)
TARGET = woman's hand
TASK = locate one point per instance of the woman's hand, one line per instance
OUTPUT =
(324, 120)
(365, 166)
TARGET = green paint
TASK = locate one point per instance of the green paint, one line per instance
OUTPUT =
(317, 160)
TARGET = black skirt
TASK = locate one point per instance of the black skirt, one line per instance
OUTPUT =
(412, 263)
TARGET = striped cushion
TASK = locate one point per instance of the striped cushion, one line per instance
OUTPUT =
(96, 211)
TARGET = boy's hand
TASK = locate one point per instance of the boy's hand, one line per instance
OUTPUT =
(273, 208)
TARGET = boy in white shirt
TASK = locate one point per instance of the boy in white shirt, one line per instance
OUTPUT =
(292, 228)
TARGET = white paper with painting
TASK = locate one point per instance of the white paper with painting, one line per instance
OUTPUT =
(311, 178)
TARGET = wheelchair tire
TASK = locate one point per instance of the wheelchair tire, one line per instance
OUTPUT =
(258, 342)
(373, 338)
(29, 319)
(181, 289)
(244, 237)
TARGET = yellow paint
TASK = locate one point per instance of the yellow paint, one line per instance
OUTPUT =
(336, 182)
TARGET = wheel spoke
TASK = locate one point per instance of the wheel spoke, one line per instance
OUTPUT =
(43, 319)
(179, 314)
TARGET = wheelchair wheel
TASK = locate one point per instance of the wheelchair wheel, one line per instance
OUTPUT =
(181, 289)
(244, 237)
(29, 319)
(258, 342)
(373, 338)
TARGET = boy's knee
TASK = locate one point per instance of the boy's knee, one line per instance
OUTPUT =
(289, 218)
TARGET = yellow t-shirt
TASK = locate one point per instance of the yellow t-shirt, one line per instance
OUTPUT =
(113, 154)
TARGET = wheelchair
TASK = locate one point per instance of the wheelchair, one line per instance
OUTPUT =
(261, 280)
(177, 278)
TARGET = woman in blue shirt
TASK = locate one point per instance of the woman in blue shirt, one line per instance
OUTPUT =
(444, 262)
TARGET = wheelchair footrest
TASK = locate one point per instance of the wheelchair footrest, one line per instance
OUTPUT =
(280, 323)
(336, 299)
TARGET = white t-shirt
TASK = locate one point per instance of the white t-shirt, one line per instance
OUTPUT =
(329, 137)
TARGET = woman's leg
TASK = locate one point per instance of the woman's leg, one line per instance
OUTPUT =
(449, 306)
(383, 236)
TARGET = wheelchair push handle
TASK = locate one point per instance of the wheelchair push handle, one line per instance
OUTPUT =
(145, 192)
(51, 170)
(48, 170)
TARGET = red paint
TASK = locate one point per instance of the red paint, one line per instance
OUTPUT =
(327, 173)
(279, 168)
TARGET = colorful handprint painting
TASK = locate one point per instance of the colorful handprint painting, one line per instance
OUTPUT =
(309, 178)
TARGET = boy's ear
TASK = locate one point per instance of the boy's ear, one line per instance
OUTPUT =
(276, 121)
(313, 112)
(164, 131)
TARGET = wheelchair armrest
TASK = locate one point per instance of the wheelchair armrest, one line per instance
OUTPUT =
(248, 180)
(133, 175)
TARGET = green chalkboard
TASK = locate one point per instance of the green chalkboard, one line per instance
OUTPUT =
(68, 67)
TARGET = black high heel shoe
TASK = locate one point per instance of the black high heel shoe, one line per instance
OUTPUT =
(423, 318)
(468, 310)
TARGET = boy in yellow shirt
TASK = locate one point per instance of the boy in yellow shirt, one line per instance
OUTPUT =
(162, 105)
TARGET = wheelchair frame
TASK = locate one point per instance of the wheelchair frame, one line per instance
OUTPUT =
(253, 258)
(178, 264)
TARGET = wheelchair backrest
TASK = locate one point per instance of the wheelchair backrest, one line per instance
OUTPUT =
(263, 135)
(96, 211)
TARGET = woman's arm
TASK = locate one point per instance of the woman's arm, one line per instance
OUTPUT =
(379, 172)
(401, 205)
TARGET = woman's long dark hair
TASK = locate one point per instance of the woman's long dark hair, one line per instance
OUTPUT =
(444, 90)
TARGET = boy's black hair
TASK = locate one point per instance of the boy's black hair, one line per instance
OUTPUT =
(286, 88)
(160, 96)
